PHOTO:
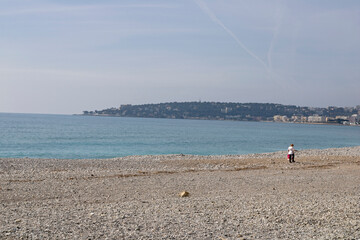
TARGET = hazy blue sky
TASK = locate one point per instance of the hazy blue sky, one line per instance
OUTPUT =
(67, 56)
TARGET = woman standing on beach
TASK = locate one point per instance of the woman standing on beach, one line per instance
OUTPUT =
(291, 153)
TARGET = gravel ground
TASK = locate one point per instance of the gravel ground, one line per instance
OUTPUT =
(256, 196)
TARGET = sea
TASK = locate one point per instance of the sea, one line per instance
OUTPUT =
(78, 137)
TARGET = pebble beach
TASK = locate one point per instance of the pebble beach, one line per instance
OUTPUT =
(255, 196)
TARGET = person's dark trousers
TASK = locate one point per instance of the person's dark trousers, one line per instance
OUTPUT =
(292, 158)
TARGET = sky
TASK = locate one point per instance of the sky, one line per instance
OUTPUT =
(67, 56)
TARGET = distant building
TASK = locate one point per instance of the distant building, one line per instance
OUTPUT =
(284, 118)
(226, 110)
(277, 118)
(295, 118)
(354, 119)
(342, 117)
(342, 120)
(316, 119)
(330, 120)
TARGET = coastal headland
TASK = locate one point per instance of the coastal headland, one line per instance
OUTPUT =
(269, 112)
(256, 196)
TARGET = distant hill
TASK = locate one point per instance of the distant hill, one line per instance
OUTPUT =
(220, 111)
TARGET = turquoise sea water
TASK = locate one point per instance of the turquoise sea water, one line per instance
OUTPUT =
(66, 136)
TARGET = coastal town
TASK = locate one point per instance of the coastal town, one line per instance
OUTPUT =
(237, 112)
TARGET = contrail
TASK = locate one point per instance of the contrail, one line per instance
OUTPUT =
(274, 38)
(212, 16)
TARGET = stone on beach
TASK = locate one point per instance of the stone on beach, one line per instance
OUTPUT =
(184, 194)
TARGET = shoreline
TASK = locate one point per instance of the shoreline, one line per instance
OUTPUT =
(209, 119)
(254, 196)
(278, 154)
